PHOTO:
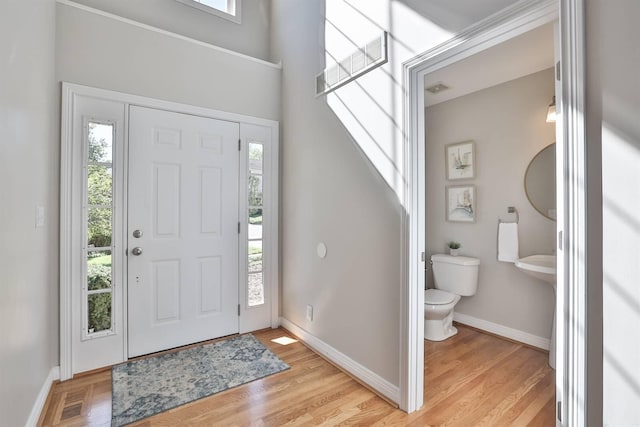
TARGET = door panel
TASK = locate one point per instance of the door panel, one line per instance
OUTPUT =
(183, 197)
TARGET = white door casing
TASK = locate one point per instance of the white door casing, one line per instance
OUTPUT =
(183, 199)
(258, 316)
(510, 22)
(90, 351)
(81, 350)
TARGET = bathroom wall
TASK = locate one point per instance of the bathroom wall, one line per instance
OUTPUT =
(507, 123)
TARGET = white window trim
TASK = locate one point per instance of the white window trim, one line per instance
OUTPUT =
(234, 6)
(115, 264)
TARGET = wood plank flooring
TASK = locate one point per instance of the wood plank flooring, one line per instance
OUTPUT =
(472, 379)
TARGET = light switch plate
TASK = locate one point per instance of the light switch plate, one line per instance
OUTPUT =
(39, 216)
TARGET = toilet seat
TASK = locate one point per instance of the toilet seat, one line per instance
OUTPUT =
(438, 297)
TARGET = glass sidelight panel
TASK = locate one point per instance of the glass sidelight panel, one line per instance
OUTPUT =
(99, 312)
(99, 270)
(255, 263)
(256, 289)
(255, 247)
(100, 142)
(255, 190)
(255, 216)
(255, 224)
(255, 279)
(99, 227)
(100, 185)
(256, 156)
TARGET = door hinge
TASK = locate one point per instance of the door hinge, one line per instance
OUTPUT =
(239, 144)
(238, 309)
(558, 71)
(422, 257)
(560, 411)
(560, 240)
(238, 227)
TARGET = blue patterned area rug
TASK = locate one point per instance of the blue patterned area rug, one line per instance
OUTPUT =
(145, 387)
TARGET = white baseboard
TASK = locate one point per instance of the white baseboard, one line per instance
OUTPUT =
(503, 331)
(36, 410)
(370, 378)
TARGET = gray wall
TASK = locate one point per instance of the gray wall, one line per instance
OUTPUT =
(250, 37)
(613, 108)
(122, 57)
(336, 155)
(29, 175)
(507, 123)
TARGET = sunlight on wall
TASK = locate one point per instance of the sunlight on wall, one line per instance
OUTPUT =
(371, 107)
(621, 296)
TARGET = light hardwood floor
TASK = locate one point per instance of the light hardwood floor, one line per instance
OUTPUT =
(472, 379)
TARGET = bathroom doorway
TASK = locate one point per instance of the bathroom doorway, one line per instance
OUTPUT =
(497, 29)
(485, 121)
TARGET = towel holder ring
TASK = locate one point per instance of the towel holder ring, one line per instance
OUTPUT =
(513, 210)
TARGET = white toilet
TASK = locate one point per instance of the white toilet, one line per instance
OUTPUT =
(454, 277)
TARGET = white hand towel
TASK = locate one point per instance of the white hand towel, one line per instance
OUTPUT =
(508, 241)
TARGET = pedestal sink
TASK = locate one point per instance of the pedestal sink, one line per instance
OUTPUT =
(543, 267)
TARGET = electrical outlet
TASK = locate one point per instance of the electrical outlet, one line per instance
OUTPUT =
(309, 312)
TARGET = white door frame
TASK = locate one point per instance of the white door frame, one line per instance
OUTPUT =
(69, 246)
(571, 308)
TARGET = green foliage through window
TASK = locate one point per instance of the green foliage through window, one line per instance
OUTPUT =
(99, 226)
(99, 312)
(99, 185)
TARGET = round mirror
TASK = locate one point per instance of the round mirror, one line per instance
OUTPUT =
(540, 182)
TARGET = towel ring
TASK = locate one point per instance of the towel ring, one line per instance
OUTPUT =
(513, 210)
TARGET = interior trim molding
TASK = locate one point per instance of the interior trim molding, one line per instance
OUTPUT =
(573, 291)
(503, 331)
(69, 92)
(41, 400)
(168, 33)
(370, 378)
(507, 23)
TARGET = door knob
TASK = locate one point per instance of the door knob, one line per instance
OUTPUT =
(137, 234)
(136, 251)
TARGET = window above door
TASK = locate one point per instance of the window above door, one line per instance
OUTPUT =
(227, 9)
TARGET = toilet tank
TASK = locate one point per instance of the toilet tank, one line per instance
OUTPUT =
(455, 274)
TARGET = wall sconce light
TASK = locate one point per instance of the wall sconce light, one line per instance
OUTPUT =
(551, 111)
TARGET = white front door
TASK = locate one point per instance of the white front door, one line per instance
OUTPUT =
(182, 229)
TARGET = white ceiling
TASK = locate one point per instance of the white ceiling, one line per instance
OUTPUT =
(518, 57)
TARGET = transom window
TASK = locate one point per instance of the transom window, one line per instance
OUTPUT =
(228, 9)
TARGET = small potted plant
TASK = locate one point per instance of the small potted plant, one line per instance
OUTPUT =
(454, 247)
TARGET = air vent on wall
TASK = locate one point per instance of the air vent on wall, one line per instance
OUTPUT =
(437, 88)
(363, 60)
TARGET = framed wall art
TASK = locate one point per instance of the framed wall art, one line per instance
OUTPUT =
(461, 203)
(460, 160)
